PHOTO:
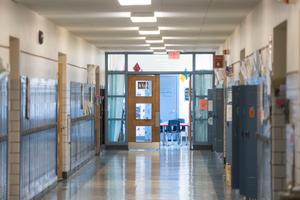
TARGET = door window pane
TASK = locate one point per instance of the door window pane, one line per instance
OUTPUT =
(203, 82)
(116, 131)
(143, 88)
(201, 131)
(116, 62)
(116, 84)
(143, 111)
(204, 62)
(116, 108)
(143, 134)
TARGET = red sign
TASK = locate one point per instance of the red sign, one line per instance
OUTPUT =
(203, 104)
(218, 61)
(137, 67)
(174, 54)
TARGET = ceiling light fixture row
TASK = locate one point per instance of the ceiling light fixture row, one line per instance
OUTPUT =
(151, 33)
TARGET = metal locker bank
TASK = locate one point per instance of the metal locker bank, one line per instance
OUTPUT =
(38, 135)
(3, 136)
(245, 125)
(82, 123)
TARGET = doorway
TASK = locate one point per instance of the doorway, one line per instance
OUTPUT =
(120, 67)
(143, 111)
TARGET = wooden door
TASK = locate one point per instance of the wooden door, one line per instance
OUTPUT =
(143, 111)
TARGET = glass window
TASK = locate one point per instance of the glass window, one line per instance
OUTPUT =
(143, 111)
(116, 108)
(204, 62)
(151, 62)
(116, 131)
(116, 62)
(143, 133)
(201, 131)
(203, 82)
(116, 84)
(143, 88)
(200, 114)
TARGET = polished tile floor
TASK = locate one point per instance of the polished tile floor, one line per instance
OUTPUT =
(168, 174)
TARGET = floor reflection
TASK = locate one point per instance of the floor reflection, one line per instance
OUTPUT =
(168, 174)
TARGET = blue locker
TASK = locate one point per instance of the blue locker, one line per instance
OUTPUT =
(245, 125)
(218, 107)
(3, 136)
(216, 119)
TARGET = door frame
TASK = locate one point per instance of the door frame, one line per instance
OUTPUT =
(126, 73)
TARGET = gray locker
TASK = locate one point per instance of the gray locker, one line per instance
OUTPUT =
(228, 128)
(245, 126)
(216, 119)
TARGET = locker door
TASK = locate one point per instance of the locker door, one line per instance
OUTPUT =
(250, 130)
(241, 139)
(236, 116)
(228, 129)
(219, 119)
(210, 124)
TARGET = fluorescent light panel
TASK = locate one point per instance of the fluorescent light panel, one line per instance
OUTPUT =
(158, 52)
(154, 40)
(158, 48)
(149, 31)
(145, 17)
(134, 2)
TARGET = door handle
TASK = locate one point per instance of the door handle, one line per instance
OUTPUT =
(157, 119)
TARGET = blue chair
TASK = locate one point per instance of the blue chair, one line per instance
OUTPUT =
(183, 133)
(173, 129)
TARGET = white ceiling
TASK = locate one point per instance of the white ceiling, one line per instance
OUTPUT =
(186, 25)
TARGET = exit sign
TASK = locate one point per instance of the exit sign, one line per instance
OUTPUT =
(174, 54)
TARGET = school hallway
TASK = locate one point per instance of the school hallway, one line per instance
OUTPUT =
(169, 173)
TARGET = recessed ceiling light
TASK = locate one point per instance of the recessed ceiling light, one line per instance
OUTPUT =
(143, 17)
(154, 40)
(134, 2)
(159, 52)
(149, 31)
(158, 48)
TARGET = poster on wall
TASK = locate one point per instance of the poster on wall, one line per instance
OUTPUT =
(203, 104)
(229, 113)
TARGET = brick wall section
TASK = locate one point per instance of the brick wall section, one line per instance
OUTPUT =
(65, 111)
(278, 150)
(293, 94)
(14, 138)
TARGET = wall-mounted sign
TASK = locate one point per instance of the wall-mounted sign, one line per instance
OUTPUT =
(187, 94)
(203, 104)
(174, 54)
(137, 67)
(218, 61)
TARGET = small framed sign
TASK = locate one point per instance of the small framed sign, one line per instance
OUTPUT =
(218, 62)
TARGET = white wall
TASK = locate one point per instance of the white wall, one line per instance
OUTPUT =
(257, 29)
(183, 104)
(20, 22)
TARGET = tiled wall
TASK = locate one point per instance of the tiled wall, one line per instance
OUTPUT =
(293, 94)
